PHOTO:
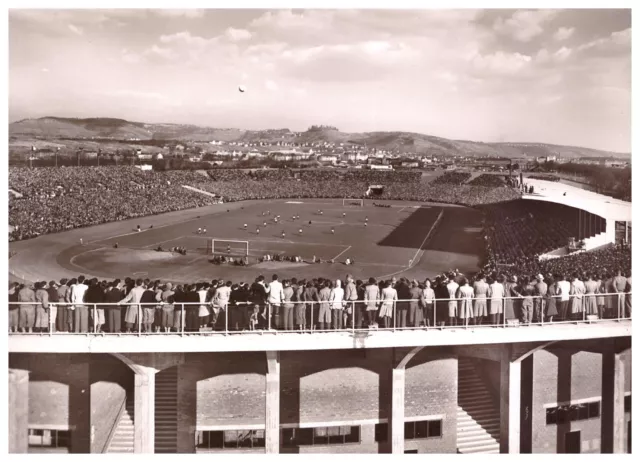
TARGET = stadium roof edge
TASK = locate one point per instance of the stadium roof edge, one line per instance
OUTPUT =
(572, 196)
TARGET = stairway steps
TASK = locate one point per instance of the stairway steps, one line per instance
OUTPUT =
(478, 419)
(124, 435)
(166, 411)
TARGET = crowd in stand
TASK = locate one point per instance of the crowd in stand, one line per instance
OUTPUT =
(519, 231)
(80, 305)
(488, 180)
(57, 199)
(544, 177)
(455, 178)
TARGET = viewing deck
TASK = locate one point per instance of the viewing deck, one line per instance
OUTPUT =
(272, 340)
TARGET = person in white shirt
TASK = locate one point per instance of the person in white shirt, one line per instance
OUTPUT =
(452, 288)
(275, 297)
(134, 297)
(221, 300)
(336, 297)
(496, 292)
(564, 289)
(81, 312)
(427, 300)
(203, 309)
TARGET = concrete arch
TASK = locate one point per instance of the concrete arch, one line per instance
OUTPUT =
(533, 350)
(129, 362)
(408, 357)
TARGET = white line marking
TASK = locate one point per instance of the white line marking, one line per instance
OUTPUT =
(162, 242)
(72, 259)
(336, 257)
(401, 209)
(413, 260)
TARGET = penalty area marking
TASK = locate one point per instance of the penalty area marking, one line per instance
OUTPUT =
(415, 260)
(336, 257)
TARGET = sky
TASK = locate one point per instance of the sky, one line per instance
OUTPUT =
(552, 76)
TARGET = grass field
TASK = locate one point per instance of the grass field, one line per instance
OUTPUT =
(411, 239)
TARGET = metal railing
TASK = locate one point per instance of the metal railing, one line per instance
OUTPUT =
(443, 313)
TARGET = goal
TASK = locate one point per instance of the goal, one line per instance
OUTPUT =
(353, 202)
(228, 247)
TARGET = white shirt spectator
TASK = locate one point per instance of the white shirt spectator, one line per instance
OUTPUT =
(221, 298)
(336, 296)
(276, 293)
(497, 291)
(77, 293)
(564, 288)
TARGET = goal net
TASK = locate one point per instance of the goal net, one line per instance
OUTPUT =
(353, 202)
(229, 248)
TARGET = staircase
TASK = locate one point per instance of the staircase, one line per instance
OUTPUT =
(166, 407)
(478, 414)
(122, 440)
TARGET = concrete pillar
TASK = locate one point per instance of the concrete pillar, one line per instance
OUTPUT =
(19, 411)
(396, 414)
(144, 410)
(612, 415)
(79, 404)
(272, 405)
(187, 410)
(510, 387)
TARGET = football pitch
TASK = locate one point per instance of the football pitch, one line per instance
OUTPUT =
(404, 239)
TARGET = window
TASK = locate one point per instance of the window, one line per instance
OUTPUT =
(320, 436)
(420, 429)
(573, 412)
(381, 431)
(49, 438)
(627, 403)
(230, 439)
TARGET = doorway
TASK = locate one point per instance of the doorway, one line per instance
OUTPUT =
(572, 443)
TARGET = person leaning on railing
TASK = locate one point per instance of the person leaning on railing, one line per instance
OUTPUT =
(14, 309)
(27, 309)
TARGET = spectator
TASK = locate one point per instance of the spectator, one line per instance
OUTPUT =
(336, 297)
(27, 310)
(324, 313)
(81, 311)
(371, 299)
(14, 308)
(42, 307)
(388, 297)
(287, 308)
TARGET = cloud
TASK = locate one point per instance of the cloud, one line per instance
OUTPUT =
(501, 63)
(271, 85)
(618, 42)
(193, 13)
(562, 54)
(129, 57)
(563, 33)
(524, 25)
(137, 95)
(75, 29)
(236, 35)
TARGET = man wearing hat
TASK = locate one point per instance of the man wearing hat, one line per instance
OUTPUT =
(540, 302)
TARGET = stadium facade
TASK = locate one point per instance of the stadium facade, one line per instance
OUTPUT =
(553, 389)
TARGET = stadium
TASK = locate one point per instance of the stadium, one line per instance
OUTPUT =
(354, 374)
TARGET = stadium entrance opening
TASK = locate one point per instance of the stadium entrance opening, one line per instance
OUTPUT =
(375, 190)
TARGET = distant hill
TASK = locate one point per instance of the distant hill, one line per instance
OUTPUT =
(119, 129)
